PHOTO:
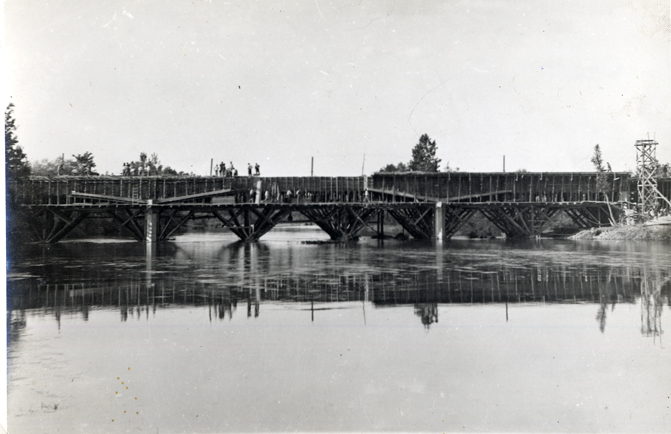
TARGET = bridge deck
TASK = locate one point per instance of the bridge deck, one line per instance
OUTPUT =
(307, 205)
(519, 204)
(434, 187)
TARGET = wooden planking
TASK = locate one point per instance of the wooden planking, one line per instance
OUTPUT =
(454, 186)
(517, 187)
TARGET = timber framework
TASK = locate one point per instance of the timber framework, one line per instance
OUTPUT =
(426, 205)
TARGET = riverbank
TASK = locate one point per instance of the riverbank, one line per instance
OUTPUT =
(629, 232)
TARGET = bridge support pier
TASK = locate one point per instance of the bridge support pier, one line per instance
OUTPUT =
(439, 221)
(151, 228)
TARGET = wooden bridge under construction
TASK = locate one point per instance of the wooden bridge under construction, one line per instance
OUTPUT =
(426, 205)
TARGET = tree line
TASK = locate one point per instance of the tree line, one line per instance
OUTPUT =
(17, 165)
(423, 159)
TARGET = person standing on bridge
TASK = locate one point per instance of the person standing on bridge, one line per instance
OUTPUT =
(222, 169)
(257, 168)
(249, 169)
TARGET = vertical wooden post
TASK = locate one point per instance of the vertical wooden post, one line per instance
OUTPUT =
(459, 189)
(579, 189)
(470, 185)
(247, 229)
(490, 188)
(447, 195)
(380, 223)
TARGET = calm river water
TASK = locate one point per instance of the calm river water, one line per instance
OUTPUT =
(206, 334)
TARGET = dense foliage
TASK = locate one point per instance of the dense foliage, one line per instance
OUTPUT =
(16, 167)
(147, 166)
(16, 161)
(423, 158)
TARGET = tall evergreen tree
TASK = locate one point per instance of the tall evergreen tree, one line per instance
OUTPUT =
(16, 161)
(16, 167)
(424, 155)
(602, 183)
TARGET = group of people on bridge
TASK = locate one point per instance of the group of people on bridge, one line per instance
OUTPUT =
(130, 169)
(230, 171)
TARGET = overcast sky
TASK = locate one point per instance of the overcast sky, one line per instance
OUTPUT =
(275, 82)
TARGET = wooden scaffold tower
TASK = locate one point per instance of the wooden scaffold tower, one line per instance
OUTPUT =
(646, 164)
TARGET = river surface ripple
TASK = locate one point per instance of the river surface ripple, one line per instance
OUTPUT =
(206, 334)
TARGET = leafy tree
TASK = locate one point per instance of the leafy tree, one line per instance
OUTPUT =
(424, 155)
(150, 166)
(58, 166)
(663, 170)
(602, 171)
(602, 183)
(597, 159)
(45, 167)
(423, 159)
(390, 168)
(167, 170)
(84, 164)
(16, 161)
(16, 167)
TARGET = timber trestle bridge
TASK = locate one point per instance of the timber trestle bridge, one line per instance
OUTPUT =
(426, 205)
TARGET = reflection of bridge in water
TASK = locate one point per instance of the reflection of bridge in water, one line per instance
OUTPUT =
(428, 206)
(424, 290)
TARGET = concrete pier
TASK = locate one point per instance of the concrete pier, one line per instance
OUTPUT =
(439, 222)
(151, 224)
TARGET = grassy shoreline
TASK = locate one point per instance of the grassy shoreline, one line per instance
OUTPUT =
(628, 232)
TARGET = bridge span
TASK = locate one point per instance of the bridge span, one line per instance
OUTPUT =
(427, 205)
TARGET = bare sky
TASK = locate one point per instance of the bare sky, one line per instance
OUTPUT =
(540, 82)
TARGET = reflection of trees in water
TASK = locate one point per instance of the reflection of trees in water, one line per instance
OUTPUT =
(16, 323)
(607, 293)
(250, 280)
(652, 302)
